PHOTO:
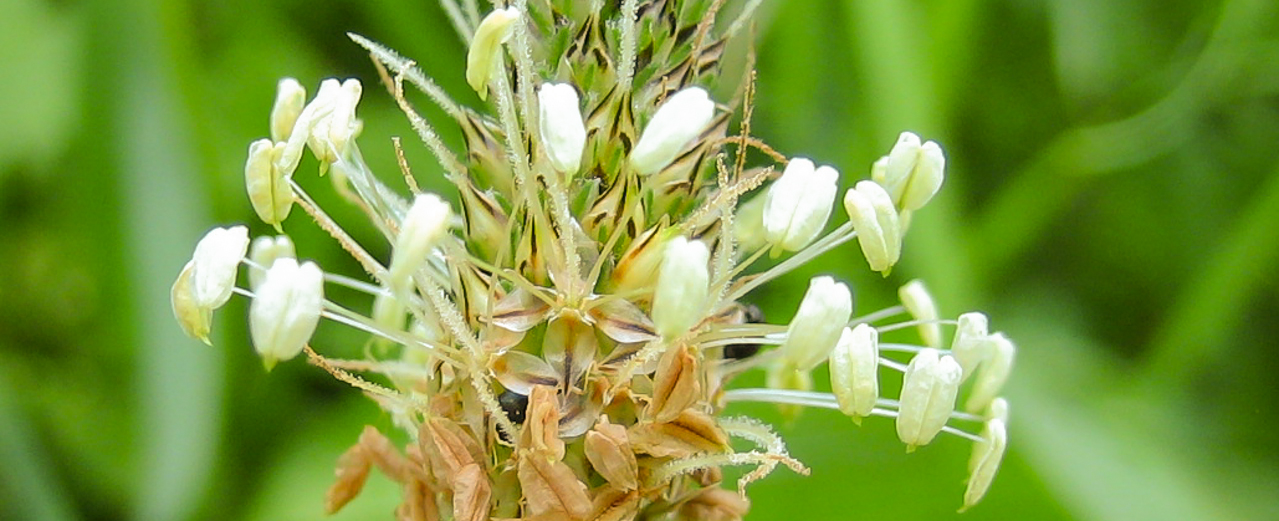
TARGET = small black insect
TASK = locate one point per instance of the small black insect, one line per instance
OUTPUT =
(751, 314)
(514, 405)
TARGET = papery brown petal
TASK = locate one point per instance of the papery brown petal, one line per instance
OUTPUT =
(448, 447)
(418, 467)
(352, 470)
(548, 516)
(612, 504)
(418, 503)
(581, 411)
(550, 486)
(519, 372)
(570, 346)
(622, 355)
(519, 311)
(386, 457)
(442, 404)
(691, 433)
(471, 493)
(610, 454)
(498, 340)
(676, 386)
(541, 433)
(623, 321)
(714, 504)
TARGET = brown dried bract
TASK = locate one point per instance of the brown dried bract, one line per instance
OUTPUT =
(471, 494)
(570, 346)
(353, 467)
(418, 504)
(613, 504)
(692, 432)
(550, 488)
(611, 455)
(448, 448)
(676, 386)
(352, 471)
(519, 311)
(623, 321)
(542, 424)
(714, 504)
(383, 455)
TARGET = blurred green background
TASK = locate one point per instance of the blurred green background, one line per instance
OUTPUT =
(1112, 202)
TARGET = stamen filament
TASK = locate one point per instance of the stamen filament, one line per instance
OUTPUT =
(346, 317)
(878, 315)
(370, 265)
(912, 323)
(835, 238)
(827, 401)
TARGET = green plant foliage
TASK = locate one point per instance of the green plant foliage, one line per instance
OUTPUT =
(1112, 199)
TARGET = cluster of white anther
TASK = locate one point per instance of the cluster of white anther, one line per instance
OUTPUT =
(933, 379)
(794, 212)
(327, 125)
(288, 296)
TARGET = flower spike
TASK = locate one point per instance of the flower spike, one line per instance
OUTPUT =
(268, 186)
(424, 225)
(194, 319)
(987, 455)
(263, 252)
(562, 339)
(971, 345)
(992, 374)
(919, 303)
